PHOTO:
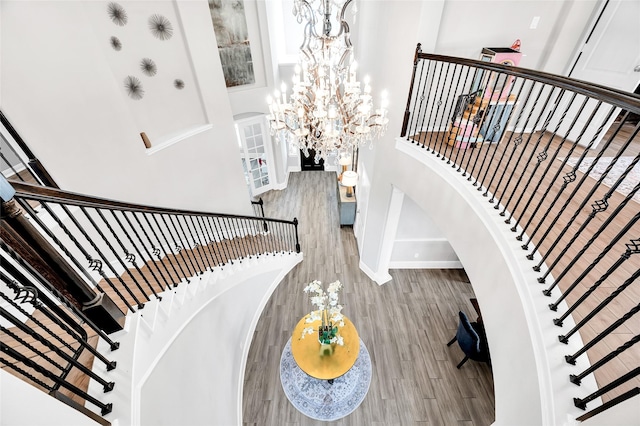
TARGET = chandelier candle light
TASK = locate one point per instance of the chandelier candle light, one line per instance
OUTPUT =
(328, 110)
(328, 313)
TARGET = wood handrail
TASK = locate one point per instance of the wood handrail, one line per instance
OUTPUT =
(619, 98)
(47, 194)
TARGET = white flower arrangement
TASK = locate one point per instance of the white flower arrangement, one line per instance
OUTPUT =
(328, 312)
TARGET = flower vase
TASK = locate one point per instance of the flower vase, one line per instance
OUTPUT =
(326, 349)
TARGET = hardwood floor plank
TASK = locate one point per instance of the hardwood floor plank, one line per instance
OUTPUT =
(405, 325)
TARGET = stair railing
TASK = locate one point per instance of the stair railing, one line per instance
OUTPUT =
(102, 258)
(531, 143)
(17, 162)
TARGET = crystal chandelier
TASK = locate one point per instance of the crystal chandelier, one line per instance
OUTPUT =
(328, 110)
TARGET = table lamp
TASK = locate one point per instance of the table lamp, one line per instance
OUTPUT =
(349, 180)
(344, 161)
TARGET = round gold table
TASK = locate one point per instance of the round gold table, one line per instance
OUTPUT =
(306, 352)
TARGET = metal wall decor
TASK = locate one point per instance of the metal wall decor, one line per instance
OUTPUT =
(148, 67)
(134, 87)
(115, 43)
(178, 84)
(160, 27)
(117, 14)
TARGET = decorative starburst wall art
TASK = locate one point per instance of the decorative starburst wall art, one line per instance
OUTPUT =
(148, 67)
(160, 27)
(115, 43)
(134, 87)
(117, 14)
(178, 84)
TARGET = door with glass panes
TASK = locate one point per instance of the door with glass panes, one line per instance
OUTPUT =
(256, 155)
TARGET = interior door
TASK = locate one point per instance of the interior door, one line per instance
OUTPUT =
(610, 57)
(611, 53)
(257, 158)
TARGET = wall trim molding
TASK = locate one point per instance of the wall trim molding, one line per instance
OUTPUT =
(380, 278)
(426, 264)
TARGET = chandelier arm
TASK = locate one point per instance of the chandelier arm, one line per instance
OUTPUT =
(344, 26)
(312, 16)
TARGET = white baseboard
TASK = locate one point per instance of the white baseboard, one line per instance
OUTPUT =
(380, 278)
(426, 264)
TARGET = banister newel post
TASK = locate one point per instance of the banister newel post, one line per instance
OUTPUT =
(405, 121)
(22, 237)
(295, 223)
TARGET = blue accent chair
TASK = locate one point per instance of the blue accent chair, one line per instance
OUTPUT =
(472, 340)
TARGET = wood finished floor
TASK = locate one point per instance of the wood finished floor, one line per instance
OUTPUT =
(405, 325)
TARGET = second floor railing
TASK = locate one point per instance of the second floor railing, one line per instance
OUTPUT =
(558, 159)
(100, 259)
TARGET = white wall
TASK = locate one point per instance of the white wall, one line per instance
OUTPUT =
(18, 399)
(63, 90)
(450, 27)
(530, 377)
(203, 362)
(418, 242)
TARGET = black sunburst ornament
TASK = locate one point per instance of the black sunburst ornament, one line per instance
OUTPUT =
(115, 43)
(178, 84)
(134, 87)
(117, 14)
(160, 27)
(148, 67)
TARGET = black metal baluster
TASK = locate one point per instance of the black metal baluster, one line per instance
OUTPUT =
(461, 102)
(160, 248)
(197, 248)
(34, 216)
(540, 157)
(107, 386)
(632, 248)
(576, 379)
(600, 256)
(255, 240)
(105, 408)
(96, 264)
(444, 118)
(514, 84)
(117, 256)
(422, 114)
(237, 239)
(81, 339)
(571, 176)
(216, 246)
(206, 247)
(516, 142)
(415, 116)
(572, 358)
(221, 239)
(582, 402)
(227, 239)
(151, 262)
(565, 338)
(478, 147)
(174, 258)
(131, 257)
(598, 206)
(10, 269)
(573, 193)
(426, 130)
(522, 152)
(184, 240)
(178, 249)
